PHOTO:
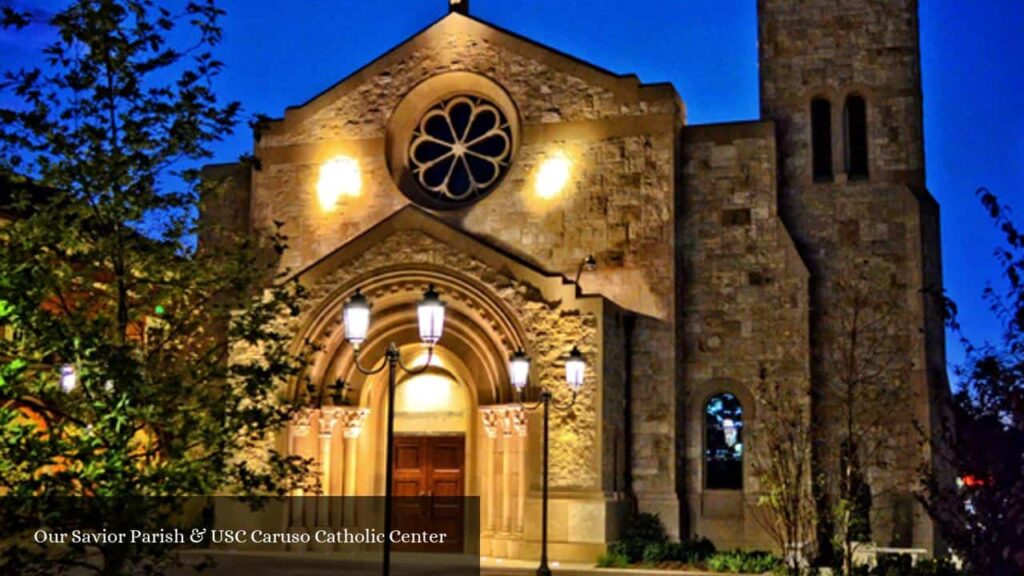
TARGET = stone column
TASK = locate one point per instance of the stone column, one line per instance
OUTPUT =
(491, 423)
(519, 425)
(298, 430)
(352, 420)
(328, 420)
(506, 471)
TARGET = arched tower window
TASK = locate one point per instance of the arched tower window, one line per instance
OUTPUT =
(821, 139)
(723, 443)
(855, 131)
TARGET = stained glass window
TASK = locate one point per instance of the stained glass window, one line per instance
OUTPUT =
(723, 443)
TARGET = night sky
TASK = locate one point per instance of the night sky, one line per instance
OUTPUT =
(283, 53)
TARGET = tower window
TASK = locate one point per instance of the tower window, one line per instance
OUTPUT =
(855, 128)
(821, 139)
(723, 443)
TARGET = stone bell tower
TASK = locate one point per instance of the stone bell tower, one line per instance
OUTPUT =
(841, 80)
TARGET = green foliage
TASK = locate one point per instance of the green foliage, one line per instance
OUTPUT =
(981, 441)
(641, 531)
(163, 408)
(687, 552)
(901, 565)
(743, 562)
(612, 559)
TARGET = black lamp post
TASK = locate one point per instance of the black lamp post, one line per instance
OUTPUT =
(356, 317)
(519, 371)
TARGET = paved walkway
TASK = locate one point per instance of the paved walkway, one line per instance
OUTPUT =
(359, 564)
(491, 567)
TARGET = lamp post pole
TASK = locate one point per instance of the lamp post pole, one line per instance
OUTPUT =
(543, 569)
(357, 322)
(519, 370)
(392, 360)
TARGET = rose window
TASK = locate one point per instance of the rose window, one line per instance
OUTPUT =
(460, 150)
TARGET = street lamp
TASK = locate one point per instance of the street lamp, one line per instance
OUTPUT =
(519, 371)
(356, 318)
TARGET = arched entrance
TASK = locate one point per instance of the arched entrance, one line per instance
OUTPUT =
(455, 430)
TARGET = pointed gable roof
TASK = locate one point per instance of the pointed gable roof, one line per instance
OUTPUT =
(626, 87)
(410, 218)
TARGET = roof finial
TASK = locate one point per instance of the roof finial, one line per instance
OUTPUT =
(460, 6)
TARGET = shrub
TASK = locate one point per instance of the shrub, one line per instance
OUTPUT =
(900, 565)
(697, 550)
(688, 552)
(642, 531)
(612, 559)
(937, 567)
(743, 562)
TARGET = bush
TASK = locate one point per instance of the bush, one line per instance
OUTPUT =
(900, 565)
(756, 562)
(697, 550)
(687, 552)
(642, 531)
(645, 540)
(657, 552)
(612, 559)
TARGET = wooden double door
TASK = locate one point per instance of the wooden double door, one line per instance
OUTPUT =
(429, 489)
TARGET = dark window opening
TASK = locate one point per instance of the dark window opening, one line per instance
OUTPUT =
(855, 126)
(821, 138)
(723, 443)
(736, 217)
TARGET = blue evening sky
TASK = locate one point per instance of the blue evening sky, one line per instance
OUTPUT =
(282, 53)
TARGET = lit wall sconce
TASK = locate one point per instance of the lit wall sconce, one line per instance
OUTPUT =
(339, 177)
(553, 176)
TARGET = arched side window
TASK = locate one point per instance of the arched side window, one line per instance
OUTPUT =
(855, 132)
(821, 139)
(723, 443)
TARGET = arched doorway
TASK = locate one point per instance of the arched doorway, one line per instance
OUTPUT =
(433, 415)
(447, 440)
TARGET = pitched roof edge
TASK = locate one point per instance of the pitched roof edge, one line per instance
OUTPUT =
(413, 218)
(597, 74)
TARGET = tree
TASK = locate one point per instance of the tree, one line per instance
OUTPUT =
(982, 437)
(783, 467)
(144, 369)
(867, 404)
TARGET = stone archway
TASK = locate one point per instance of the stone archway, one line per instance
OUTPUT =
(480, 334)
(496, 304)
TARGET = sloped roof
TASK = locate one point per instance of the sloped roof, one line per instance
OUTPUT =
(626, 86)
(411, 218)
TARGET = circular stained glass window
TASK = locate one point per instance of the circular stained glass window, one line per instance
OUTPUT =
(459, 151)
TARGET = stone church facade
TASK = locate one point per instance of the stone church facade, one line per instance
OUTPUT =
(490, 166)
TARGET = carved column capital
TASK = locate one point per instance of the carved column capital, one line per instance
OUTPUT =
(328, 420)
(519, 421)
(352, 420)
(301, 423)
(491, 416)
(506, 419)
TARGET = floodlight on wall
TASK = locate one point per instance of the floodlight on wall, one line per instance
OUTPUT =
(553, 175)
(339, 176)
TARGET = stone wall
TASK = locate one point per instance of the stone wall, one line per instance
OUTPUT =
(619, 205)
(744, 307)
(551, 330)
(886, 223)
(618, 135)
